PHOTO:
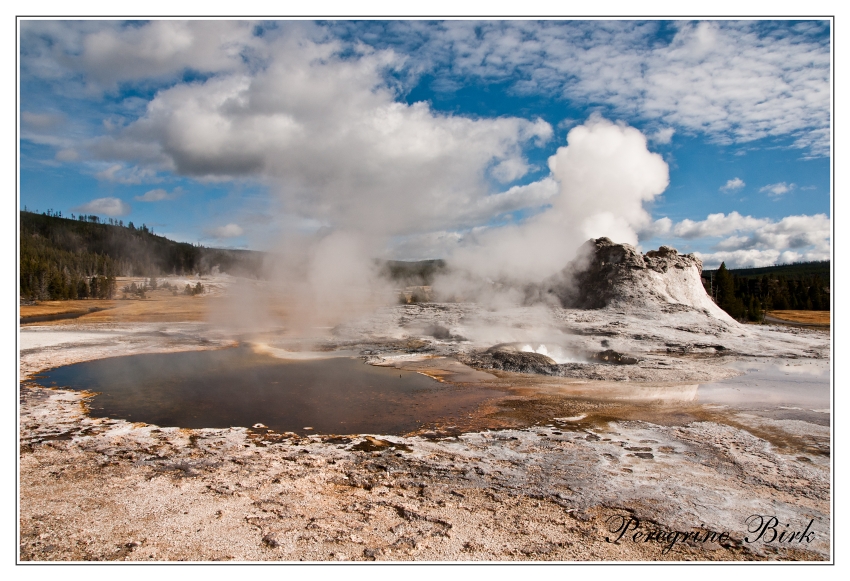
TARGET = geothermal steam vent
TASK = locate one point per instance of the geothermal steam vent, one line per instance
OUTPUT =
(661, 284)
(607, 274)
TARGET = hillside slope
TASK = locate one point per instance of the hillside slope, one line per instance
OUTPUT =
(68, 259)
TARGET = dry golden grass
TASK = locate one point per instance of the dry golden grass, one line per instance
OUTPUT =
(159, 307)
(61, 307)
(810, 317)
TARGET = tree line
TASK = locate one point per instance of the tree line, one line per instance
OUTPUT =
(748, 296)
(63, 258)
(153, 284)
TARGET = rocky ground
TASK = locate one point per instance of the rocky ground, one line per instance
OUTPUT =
(563, 463)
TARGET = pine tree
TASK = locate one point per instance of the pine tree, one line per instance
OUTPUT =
(726, 298)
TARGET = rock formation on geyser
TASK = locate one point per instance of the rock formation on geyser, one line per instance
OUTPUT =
(609, 274)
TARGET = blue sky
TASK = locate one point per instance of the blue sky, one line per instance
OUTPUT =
(434, 138)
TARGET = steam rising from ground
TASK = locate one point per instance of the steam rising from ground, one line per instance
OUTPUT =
(598, 186)
(554, 352)
(605, 174)
(359, 174)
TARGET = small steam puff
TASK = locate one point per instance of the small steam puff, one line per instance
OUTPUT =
(553, 352)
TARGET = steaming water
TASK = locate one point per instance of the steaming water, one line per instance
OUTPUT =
(239, 387)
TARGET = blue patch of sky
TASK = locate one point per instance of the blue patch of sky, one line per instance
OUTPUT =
(264, 27)
(698, 171)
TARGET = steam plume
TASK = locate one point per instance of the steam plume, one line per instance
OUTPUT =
(605, 175)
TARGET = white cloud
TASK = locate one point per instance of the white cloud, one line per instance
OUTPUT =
(717, 225)
(41, 120)
(775, 190)
(663, 136)
(158, 195)
(510, 169)
(660, 227)
(568, 123)
(733, 243)
(736, 81)
(106, 206)
(732, 185)
(533, 195)
(755, 258)
(135, 175)
(749, 241)
(227, 231)
(67, 154)
(106, 53)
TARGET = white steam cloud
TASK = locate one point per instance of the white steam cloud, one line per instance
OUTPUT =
(604, 175)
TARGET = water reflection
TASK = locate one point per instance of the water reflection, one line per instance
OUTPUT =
(239, 387)
(773, 384)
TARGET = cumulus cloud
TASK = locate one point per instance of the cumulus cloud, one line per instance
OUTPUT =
(510, 170)
(105, 53)
(717, 225)
(660, 227)
(106, 206)
(226, 231)
(748, 241)
(158, 195)
(732, 185)
(776, 190)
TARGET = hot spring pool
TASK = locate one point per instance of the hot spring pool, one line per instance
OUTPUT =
(238, 387)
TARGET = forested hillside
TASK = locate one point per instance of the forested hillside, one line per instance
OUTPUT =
(746, 293)
(795, 271)
(63, 258)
